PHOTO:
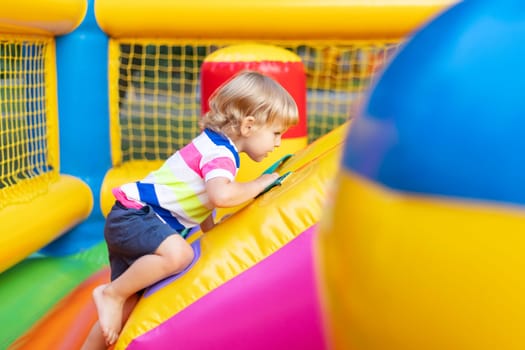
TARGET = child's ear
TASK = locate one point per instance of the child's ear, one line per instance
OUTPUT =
(247, 125)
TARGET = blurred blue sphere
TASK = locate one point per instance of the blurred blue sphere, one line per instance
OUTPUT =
(447, 117)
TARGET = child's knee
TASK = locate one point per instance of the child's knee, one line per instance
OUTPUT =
(180, 254)
(187, 255)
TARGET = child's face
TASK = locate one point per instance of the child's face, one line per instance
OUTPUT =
(262, 140)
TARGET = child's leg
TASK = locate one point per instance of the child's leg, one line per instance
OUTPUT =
(95, 340)
(171, 257)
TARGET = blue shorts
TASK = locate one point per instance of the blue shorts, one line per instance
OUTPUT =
(132, 233)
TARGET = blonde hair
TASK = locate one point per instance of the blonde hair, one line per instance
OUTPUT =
(250, 93)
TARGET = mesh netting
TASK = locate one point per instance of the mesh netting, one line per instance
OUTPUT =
(157, 107)
(24, 151)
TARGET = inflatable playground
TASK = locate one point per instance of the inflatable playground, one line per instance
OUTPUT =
(398, 224)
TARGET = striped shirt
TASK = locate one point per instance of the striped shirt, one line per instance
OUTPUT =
(176, 191)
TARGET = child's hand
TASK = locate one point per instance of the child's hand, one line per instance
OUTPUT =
(267, 179)
(276, 182)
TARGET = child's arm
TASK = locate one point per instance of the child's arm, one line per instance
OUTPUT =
(207, 224)
(224, 193)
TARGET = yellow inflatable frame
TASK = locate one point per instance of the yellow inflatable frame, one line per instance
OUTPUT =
(29, 224)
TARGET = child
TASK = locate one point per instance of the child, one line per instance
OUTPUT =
(249, 113)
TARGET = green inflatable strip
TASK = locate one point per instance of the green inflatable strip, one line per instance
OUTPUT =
(29, 289)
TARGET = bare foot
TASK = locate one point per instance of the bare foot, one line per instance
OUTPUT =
(109, 311)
